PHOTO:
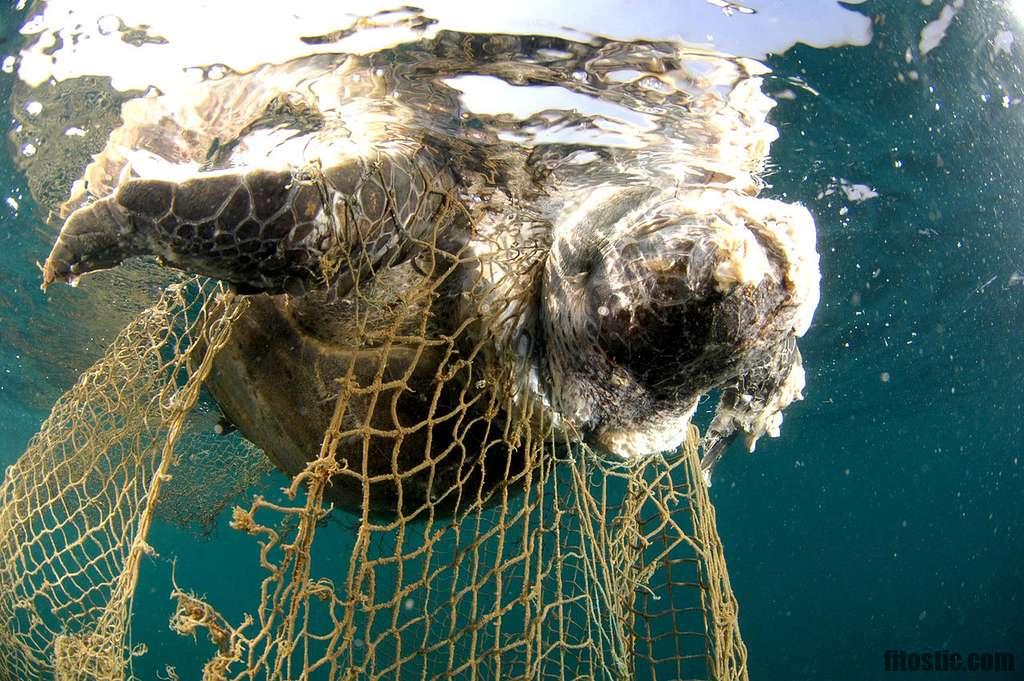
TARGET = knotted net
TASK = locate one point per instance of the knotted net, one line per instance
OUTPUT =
(527, 557)
(572, 567)
(76, 508)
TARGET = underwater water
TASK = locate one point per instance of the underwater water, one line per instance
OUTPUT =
(889, 514)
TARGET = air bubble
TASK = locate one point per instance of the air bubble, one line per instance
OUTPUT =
(108, 24)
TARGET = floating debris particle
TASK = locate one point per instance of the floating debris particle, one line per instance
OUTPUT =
(933, 33)
(1002, 43)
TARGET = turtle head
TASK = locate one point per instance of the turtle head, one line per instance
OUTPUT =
(650, 302)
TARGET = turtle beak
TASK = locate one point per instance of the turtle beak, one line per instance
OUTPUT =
(94, 238)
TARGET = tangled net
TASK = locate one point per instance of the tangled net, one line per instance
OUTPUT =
(580, 568)
(76, 508)
(570, 567)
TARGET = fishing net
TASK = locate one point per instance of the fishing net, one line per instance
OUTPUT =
(76, 508)
(512, 550)
(516, 552)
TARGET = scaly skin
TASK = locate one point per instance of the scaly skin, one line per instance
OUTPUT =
(270, 231)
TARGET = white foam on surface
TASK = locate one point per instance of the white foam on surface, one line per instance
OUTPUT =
(610, 124)
(189, 33)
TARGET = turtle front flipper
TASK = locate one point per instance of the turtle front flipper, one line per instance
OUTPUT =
(259, 230)
(254, 230)
(753, 403)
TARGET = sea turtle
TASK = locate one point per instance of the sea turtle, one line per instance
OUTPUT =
(611, 302)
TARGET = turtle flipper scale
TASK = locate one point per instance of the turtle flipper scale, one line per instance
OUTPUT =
(254, 229)
(260, 230)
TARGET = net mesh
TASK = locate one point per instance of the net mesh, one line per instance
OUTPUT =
(515, 552)
(76, 508)
(227, 466)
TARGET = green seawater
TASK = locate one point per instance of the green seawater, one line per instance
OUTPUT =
(890, 514)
